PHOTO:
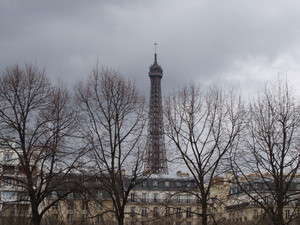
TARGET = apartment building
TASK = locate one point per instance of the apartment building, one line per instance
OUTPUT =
(13, 200)
(158, 198)
(164, 198)
(254, 197)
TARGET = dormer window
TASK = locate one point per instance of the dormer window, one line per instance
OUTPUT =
(99, 206)
(55, 206)
(233, 190)
(70, 205)
(99, 193)
(155, 183)
(144, 184)
(54, 194)
(7, 157)
(70, 195)
(167, 183)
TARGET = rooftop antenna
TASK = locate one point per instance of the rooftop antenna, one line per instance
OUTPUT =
(155, 50)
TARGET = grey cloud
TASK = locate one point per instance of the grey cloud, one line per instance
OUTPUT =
(198, 40)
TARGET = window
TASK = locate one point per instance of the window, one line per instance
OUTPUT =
(70, 205)
(255, 201)
(144, 183)
(233, 190)
(8, 169)
(54, 194)
(188, 198)
(266, 199)
(55, 216)
(168, 210)
(168, 197)
(155, 212)
(178, 184)
(8, 195)
(167, 183)
(69, 217)
(155, 197)
(8, 182)
(144, 212)
(178, 198)
(178, 212)
(7, 156)
(132, 197)
(287, 214)
(99, 205)
(144, 197)
(70, 195)
(288, 201)
(99, 194)
(255, 214)
(55, 206)
(247, 187)
(99, 219)
(84, 216)
(84, 205)
(155, 183)
(188, 212)
(132, 212)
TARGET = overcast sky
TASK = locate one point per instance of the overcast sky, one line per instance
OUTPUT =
(239, 43)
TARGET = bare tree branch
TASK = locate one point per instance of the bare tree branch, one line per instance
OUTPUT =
(115, 117)
(204, 127)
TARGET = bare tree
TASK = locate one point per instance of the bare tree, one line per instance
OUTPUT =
(203, 127)
(115, 116)
(271, 152)
(37, 121)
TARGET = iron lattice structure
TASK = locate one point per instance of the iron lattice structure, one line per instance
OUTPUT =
(156, 160)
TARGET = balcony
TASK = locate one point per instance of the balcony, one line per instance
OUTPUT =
(168, 201)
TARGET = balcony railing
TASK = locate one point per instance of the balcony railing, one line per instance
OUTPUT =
(166, 201)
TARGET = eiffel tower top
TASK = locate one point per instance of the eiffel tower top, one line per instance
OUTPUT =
(155, 69)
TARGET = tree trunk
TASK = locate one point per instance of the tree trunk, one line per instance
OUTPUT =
(278, 219)
(36, 217)
(204, 213)
(121, 220)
